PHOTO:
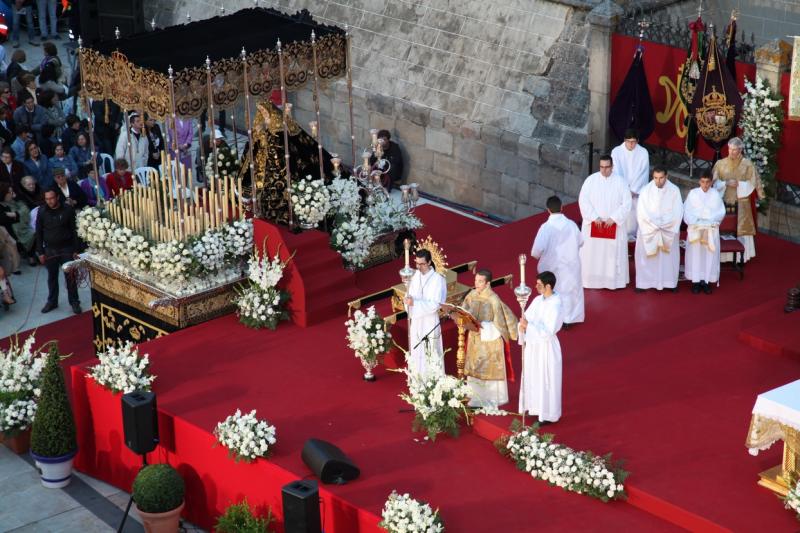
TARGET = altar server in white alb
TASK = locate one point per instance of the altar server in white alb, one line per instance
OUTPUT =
(557, 247)
(540, 389)
(703, 212)
(632, 163)
(659, 214)
(426, 292)
(605, 201)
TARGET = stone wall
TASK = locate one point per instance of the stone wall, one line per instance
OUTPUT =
(488, 100)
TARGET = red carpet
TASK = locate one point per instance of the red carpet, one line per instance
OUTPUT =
(660, 380)
(775, 332)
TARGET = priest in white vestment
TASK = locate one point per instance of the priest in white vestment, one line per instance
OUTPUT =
(632, 163)
(540, 389)
(658, 253)
(557, 247)
(605, 201)
(426, 292)
(703, 212)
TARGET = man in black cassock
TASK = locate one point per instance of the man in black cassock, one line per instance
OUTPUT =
(391, 152)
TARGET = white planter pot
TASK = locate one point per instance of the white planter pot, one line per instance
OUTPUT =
(56, 472)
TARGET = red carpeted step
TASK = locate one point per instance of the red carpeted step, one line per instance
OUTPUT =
(777, 334)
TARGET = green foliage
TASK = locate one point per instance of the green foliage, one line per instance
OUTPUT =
(53, 433)
(158, 489)
(442, 421)
(239, 518)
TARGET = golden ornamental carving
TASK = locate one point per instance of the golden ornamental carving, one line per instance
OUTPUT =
(715, 118)
(136, 88)
(437, 254)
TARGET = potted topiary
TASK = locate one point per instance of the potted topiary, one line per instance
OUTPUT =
(158, 494)
(239, 518)
(53, 441)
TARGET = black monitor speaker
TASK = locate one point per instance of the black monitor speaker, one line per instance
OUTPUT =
(101, 18)
(301, 507)
(328, 462)
(140, 421)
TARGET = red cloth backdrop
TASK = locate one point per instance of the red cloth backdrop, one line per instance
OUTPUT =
(663, 64)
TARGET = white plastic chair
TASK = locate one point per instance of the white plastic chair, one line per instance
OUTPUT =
(106, 164)
(145, 175)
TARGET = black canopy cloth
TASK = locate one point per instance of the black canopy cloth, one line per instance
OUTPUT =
(132, 72)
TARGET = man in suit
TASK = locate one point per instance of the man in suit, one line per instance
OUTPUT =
(69, 192)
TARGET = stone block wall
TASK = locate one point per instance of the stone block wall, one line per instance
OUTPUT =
(488, 100)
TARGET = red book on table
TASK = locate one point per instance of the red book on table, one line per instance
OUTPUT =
(599, 231)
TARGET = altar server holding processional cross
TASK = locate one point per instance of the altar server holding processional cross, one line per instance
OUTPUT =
(557, 247)
(427, 291)
(605, 201)
(488, 359)
(659, 214)
(540, 388)
(703, 212)
(632, 163)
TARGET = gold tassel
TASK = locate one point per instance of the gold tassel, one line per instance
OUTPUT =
(105, 115)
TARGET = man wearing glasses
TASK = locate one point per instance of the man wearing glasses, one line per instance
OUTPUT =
(426, 292)
(605, 202)
(632, 163)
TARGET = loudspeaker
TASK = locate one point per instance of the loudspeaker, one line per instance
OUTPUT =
(328, 462)
(140, 421)
(301, 507)
(100, 18)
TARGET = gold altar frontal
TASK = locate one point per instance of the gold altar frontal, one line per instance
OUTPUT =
(124, 308)
(762, 433)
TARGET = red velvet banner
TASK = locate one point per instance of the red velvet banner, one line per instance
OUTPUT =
(663, 66)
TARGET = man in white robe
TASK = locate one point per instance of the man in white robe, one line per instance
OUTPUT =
(703, 212)
(540, 389)
(426, 292)
(632, 163)
(605, 201)
(557, 247)
(139, 143)
(658, 253)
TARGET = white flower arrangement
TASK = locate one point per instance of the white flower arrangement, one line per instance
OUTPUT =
(367, 335)
(574, 471)
(389, 215)
(123, 369)
(178, 267)
(246, 437)
(792, 500)
(403, 514)
(20, 369)
(439, 401)
(352, 238)
(260, 303)
(227, 162)
(762, 126)
(310, 201)
(345, 198)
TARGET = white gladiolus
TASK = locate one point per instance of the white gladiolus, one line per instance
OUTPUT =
(20, 369)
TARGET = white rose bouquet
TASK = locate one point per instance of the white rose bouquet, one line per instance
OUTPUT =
(792, 500)
(20, 368)
(123, 369)
(260, 302)
(209, 250)
(227, 162)
(439, 402)
(574, 471)
(246, 437)
(369, 339)
(352, 238)
(403, 514)
(310, 201)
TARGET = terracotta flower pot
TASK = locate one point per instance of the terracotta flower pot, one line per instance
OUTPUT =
(19, 442)
(161, 522)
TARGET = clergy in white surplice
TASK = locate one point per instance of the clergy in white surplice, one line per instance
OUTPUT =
(557, 247)
(703, 212)
(426, 292)
(540, 388)
(632, 163)
(659, 214)
(605, 201)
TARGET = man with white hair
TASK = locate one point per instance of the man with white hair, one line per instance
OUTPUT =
(736, 178)
(632, 163)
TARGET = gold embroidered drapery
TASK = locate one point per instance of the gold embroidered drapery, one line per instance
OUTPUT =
(114, 77)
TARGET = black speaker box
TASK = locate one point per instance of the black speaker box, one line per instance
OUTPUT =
(140, 421)
(301, 507)
(328, 462)
(100, 18)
